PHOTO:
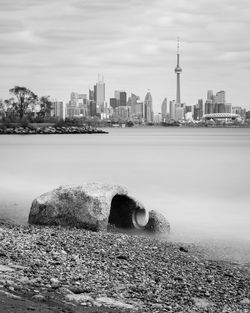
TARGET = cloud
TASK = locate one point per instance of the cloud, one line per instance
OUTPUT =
(132, 37)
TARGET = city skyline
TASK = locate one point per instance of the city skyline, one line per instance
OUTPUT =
(133, 44)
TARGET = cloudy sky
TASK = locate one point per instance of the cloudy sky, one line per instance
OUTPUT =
(54, 47)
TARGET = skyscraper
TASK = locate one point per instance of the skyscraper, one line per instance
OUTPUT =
(172, 108)
(121, 97)
(178, 71)
(100, 94)
(148, 108)
(164, 109)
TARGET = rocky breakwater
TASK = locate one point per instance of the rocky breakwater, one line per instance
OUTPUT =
(95, 206)
(50, 130)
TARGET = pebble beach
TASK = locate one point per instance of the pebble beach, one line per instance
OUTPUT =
(53, 269)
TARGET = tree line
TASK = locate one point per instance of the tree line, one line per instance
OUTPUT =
(21, 106)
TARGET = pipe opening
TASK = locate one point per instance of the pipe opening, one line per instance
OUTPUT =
(125, 213)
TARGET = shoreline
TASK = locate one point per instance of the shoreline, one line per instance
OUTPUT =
(74, 270)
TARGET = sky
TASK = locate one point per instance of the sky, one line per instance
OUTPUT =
(54, 47)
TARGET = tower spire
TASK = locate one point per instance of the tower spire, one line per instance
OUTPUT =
(178, 71)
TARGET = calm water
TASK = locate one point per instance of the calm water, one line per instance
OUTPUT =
(199, 178)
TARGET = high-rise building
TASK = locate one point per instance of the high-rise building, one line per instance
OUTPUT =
(209, 106)
(122, 112)
(219, 102)
(228, 108)
(92, 102)
(121, 97)
(178, 71)
(172, 107)
(164, 106)
(59, 108)
(99, 90)
(114, 102)
(200, 108)
(148, 108)
(179, 113)
(210, 95)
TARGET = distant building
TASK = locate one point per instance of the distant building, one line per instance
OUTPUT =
(92, 103)
(121, 97)
(188, 108)
(59, 109)
(179, 113)
(99, 90)
(122, 112)
(200, 107)
(220, 102)
(148, 108)
(157, 118)
(228, 108)
(172, 107)
(209, 106)
(114, 102)
(239, 110)
(136, 107)
(164, 106)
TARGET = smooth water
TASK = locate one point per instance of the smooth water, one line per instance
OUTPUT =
(198, 177)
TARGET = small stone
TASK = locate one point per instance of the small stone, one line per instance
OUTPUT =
(202, 302)
(54, 282)
(122, 257)
(38, 297)
(210, 278)
(182, 249)
(245, 301)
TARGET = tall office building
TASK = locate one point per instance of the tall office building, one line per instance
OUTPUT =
(220, 102)
(121, 97)
(200, 108)
(172, 109)
(178, 71)
(136, 107)
(228, 108)
(210, 95)
(74, 99)
(92, 102)
(148, 108)
(59, 108)
(164, 109)
(99, 90)
(113, 102)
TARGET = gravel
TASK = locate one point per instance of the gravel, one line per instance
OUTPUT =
(128, 273)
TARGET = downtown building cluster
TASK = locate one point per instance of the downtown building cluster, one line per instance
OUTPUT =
(120, 108)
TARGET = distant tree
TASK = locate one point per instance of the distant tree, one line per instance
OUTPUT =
(46, 107)
(24, 97)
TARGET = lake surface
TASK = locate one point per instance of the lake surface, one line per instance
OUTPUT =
(198, 178)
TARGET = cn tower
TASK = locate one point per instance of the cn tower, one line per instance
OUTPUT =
(178, 71)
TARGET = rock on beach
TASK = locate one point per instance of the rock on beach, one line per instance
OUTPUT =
(93, 206)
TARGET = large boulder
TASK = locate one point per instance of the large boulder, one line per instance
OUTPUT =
(91, 206)
(157, 223)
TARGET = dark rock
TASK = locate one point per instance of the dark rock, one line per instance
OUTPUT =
(182, 249)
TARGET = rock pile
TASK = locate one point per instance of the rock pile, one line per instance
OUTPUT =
(50, 130)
